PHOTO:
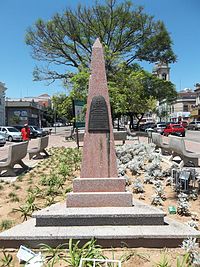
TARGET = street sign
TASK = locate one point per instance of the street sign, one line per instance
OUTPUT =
(79, 113)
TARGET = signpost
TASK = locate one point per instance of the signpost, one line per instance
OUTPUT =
(79, 115)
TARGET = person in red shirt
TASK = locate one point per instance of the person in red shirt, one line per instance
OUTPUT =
(25, 131)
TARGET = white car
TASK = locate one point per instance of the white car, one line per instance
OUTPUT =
(160, 127)
(10, 133)
(2, 140)
(58, 124)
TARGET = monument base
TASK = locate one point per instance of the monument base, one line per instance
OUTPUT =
(99, 185)
(139, 226)
(99, 199)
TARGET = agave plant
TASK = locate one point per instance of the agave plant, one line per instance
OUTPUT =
(194, 194)
(159, 189)
(148, 179)
(190, 245)
(156, 200)
(183, 205)
(138, 186)
(169, 181)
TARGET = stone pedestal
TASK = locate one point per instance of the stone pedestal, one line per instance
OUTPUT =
(99, 199)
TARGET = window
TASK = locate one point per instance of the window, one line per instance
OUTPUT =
(164, 76)
(185, 108)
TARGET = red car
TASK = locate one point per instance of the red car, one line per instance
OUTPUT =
(174, 129)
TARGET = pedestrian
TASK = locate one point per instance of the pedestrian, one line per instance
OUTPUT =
(25, 131)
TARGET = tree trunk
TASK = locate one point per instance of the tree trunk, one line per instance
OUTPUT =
(131, 122)
(118, 119)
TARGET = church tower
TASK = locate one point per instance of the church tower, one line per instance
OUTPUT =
(161, 70)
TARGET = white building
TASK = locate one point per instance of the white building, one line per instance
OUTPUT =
(162, 71)
(182, 106)
(2, 103)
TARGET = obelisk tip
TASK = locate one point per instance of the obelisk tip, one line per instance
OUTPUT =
(97, 43)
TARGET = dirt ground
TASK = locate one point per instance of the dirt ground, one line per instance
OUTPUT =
(139, 257)
(13, 195)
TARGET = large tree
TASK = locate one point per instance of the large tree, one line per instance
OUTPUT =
(126, 31)
(135, 92)
(132, 91)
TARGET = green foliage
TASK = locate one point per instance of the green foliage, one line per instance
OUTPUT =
(62, 106)
(13, 197)
(184, 261)
(125, 30)
(50, 200)
(138, 91)
(135, 92)
(54, 255)
(14, 120)
(88, 250)
(29, 207)
(20, 178)
(16, 187)
(5, 224)
(48, 115)
(164, 262)
(6, 260)
(25, 212)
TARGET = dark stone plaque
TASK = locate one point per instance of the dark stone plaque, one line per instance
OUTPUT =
(98, 116)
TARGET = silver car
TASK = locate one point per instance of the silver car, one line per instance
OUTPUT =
(194, 125)
(160, 127)
(10, 133)
(2, 140)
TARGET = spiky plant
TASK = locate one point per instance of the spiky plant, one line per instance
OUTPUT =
(138, 186)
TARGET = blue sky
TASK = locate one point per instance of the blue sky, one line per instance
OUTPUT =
(181, 18)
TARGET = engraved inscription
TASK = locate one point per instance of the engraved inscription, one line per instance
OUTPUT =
(98, 116)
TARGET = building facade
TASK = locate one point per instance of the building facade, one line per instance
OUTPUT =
(181, 108)
(43, 100)
(19, 112)
(2, 103)
(161, 70)
(195, 112)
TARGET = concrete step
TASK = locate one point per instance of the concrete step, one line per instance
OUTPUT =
(171, 234)
(59, 215)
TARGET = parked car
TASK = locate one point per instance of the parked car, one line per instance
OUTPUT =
(33, 133)
(194, 125)
(40, 132)
(58, 124)
(174, 129)
(2, 140)
(159, 128)
(147, 125)
(10, 133)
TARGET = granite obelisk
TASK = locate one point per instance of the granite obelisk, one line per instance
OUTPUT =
(99, 159)
(99, 184)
